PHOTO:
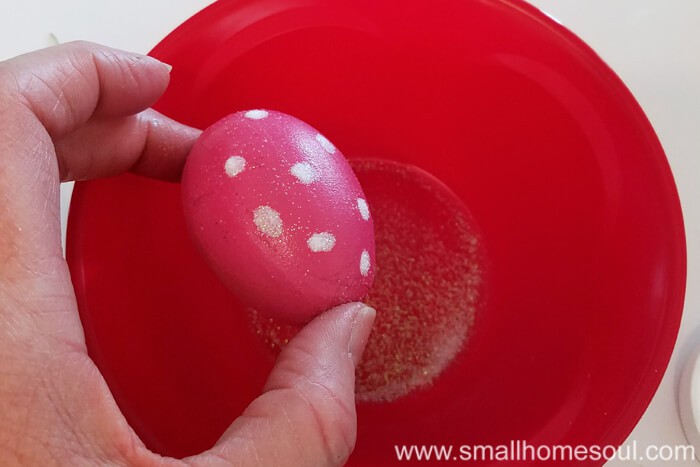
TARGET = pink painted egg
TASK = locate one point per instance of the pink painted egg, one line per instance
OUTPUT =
(279, 215)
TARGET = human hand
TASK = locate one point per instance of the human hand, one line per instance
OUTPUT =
(76, 112)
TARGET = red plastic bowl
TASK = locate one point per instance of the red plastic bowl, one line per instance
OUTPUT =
(564, 177)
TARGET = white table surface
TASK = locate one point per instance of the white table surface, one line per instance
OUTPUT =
(653, 45)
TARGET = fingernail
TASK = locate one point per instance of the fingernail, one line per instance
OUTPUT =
(153, 60)
(361, 328)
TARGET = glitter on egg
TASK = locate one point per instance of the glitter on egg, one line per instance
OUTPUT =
(365, 263)
(234, 165)
(324, 241)
(363, 208)
(304, 173)
(268, 221)
(325, 143)
(257, 114)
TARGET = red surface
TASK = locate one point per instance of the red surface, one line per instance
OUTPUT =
(562, 173)
(220, 211)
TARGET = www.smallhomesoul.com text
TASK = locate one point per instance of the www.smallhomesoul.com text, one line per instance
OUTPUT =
(521, 450)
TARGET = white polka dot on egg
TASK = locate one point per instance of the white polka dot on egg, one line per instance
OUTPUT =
(324, 241)
(268, 221)
(304, 172)
(256, 114)
(364, 263)
(363, 208)
(327, 145)
(234, 165)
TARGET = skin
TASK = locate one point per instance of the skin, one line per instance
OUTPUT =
(80, 111)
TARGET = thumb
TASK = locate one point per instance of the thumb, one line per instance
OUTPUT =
(306, 414)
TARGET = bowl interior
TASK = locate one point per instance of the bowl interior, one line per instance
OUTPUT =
(563, 176)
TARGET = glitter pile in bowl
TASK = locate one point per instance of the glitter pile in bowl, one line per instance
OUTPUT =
(427, 287)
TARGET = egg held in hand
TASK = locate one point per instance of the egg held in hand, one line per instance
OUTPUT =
(279, 215)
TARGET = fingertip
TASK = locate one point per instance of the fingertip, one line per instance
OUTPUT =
(160, 67)
(347, 310)
(129, 82)
(327, 338)
(115, 57)
(353, 324)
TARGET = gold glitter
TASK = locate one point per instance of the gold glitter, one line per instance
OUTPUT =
(268, 221)
(427, 283)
